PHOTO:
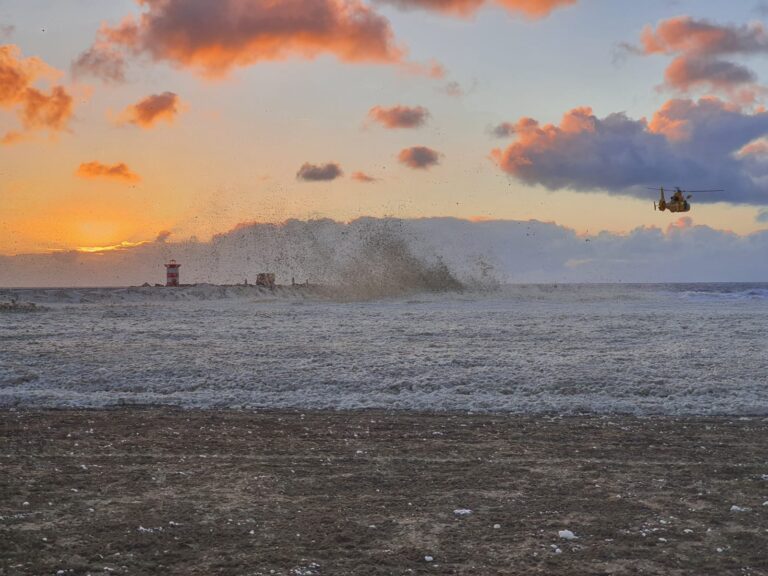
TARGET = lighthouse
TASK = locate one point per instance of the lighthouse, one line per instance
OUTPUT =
(172, 273)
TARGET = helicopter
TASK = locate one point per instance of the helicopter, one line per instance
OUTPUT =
(678, 202)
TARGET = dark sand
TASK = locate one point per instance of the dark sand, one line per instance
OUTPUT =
(161, 491)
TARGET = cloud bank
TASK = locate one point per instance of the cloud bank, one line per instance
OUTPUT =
(694, 144)
(475, 252)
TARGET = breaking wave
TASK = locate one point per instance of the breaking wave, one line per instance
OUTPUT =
(384, 265)
(720, 292)
(369, 258)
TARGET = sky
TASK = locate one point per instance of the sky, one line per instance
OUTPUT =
(126, 122)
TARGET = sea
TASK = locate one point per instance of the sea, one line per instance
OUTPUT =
(642, 349)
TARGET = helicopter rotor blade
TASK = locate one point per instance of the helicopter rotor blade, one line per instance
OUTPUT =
(660, 188)
(674, 188)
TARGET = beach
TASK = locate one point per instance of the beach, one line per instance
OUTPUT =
(148, 490)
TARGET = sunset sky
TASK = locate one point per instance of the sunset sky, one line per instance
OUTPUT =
(125, 119)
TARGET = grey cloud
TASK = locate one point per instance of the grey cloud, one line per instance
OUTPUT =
(503, 130)
(419, 157)
(319, 173)
(102, 62)
(691, 144)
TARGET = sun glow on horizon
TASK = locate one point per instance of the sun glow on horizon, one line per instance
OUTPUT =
(122, 246)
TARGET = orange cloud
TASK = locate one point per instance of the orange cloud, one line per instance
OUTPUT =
(534, 139)
(671, 120)
(684, 35)
(677, 118)
(699, 47)
(117, 172)
(213, 38)
(36, 110)
(682, 223)
(399, 116)
(535, 8)
(466, 8)
(152, 110)
(756, 148)
(11, 138)
(363, 178)
(685, 74)
(419, 157)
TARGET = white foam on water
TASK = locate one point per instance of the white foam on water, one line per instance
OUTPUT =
(527, 349)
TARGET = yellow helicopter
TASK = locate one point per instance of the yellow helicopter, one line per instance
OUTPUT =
(678, 202)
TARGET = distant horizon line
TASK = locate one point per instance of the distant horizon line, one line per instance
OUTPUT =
(159, 286)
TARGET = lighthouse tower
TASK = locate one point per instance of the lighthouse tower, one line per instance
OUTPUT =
(172, 273)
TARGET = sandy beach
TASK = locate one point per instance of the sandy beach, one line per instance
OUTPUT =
(165, 491)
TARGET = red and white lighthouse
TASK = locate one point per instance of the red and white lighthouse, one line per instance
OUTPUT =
(172, 273)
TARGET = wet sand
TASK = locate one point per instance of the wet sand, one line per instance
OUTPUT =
(162, 491)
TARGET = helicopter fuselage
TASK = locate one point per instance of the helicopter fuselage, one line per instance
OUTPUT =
(673, 206)
(677, 203)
